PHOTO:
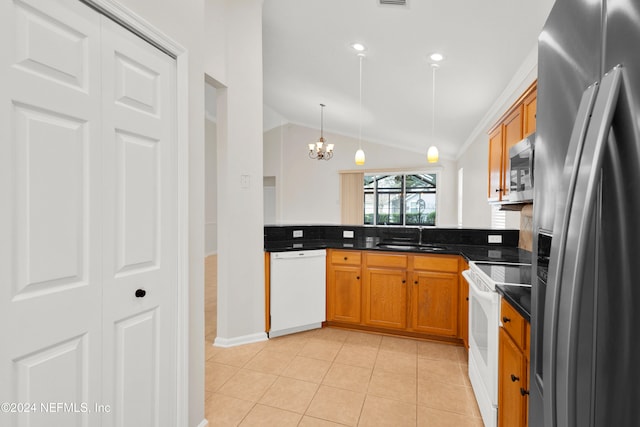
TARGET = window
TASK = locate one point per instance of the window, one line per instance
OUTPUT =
(400, 199)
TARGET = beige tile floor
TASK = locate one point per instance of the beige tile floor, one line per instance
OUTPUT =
(333, 377)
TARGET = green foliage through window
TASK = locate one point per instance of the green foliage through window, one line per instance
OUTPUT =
(400, 199)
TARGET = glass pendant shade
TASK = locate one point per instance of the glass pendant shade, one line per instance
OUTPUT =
(432, 154)
(359, 158)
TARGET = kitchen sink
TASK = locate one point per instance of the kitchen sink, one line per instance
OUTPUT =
(428, 248)
(411, 247)
(399, 247)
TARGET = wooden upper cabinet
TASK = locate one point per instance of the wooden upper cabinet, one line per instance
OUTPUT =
(512, 135)
(529, 104)
(513, 129)
(495, 165)
(518, 122)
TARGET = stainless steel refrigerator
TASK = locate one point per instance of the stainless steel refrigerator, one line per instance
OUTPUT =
(585, 357)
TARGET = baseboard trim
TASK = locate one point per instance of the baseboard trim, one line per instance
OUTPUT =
(245, 339)
(204, 423)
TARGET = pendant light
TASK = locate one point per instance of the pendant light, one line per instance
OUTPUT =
(319, 150)
(359, 158)
(432, 152)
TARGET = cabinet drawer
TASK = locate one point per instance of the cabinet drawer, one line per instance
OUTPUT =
(386, 260)
(436, 263)
(346, 257)
(513, 323)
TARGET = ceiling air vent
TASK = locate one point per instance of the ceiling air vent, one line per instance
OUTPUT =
(393, 2)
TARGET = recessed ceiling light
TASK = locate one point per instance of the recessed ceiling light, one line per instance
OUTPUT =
(436, 57)
(359, 47)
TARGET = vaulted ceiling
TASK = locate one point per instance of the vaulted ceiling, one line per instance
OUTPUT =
(308, 60)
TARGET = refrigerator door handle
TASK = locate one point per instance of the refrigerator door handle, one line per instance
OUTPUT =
(564, 200)
(570, 265)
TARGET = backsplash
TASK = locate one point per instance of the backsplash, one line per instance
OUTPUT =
(526, 228)
(458, 236)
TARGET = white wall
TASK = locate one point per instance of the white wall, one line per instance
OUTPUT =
(474, 158)
(240, 225)
(476, 212)
(309, 190)
(211, 188)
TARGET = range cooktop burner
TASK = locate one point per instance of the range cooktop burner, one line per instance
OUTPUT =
(518, 274)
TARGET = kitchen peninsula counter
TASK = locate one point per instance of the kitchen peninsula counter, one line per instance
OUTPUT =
(472, 244)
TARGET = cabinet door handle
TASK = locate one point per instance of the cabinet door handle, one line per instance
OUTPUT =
(505, 319)
(415, 282)
(514, 378)
(357, 277)
(140, 293)
(523, 392)
(345, 258)
(404, 281)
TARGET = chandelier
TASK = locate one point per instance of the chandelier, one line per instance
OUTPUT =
(319, 150)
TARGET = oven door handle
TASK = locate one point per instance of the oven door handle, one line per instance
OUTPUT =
(485, 295)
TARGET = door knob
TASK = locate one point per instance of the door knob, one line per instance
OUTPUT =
(140, 293)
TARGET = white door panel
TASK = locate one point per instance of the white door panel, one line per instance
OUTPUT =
(50, 254)
(88, 172)
(140, 238)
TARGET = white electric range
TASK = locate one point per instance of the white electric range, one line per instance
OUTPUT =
(484, 324)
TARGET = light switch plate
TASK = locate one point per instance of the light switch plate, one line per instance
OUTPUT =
(495, 238)
(297, 233)
(347, 234)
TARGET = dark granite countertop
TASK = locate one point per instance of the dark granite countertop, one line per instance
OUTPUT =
(493, 253)
(519, 297)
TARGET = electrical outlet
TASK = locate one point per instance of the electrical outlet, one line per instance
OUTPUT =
(495, 238)
(297, 233)
(347, 234)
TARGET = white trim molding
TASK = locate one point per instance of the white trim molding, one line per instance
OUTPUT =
(525, 75)
(139, 26)
(245, 339)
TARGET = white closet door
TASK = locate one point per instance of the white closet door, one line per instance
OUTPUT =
(88, 171)
(50, 212)
(139, 232)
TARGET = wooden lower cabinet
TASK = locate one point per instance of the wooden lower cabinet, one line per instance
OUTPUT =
(513, 373)
(410, 294)
(344, 286)
(385, 290)
(385, 298)
(434, 303)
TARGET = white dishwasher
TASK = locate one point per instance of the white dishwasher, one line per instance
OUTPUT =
(298, 291)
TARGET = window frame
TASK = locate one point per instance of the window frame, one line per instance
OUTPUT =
(403, 196)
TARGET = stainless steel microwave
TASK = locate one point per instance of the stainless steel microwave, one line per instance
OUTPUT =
(521, 170)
